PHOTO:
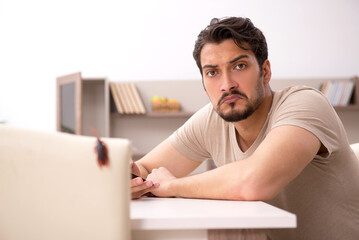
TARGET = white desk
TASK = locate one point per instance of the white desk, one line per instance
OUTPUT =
(194, 219)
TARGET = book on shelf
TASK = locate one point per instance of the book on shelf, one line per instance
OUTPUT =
(131, 99)
(124, 98)
(116, 98)
(127, 98)
(338, 93)
(138, 100)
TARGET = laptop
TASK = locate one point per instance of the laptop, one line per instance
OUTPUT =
(52, 186)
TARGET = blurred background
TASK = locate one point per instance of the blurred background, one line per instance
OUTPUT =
(153, 40)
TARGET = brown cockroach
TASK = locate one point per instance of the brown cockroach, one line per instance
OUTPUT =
(100, 149)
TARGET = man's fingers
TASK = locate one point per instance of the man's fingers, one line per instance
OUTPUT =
(142, 189)
(139, 184)
(136, 181)
(139, 187)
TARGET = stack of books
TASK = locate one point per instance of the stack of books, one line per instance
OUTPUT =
(338, 93)
(127, 98)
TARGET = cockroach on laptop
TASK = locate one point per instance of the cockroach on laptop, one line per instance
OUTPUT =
(100, 149)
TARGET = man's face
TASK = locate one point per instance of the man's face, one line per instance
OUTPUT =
(232, 80)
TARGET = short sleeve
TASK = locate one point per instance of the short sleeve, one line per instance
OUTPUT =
(190, 138)
(309, 109)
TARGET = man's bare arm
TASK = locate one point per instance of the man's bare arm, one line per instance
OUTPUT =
(164, 155)
(280, 158)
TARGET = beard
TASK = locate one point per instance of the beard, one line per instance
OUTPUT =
(236, 115)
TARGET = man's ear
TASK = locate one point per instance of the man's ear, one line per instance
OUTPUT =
(267, 72)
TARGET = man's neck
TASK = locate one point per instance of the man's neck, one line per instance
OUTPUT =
(248, 130)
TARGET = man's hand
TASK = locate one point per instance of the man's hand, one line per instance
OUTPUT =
(138, 186)
(163, 177)
(164, 155)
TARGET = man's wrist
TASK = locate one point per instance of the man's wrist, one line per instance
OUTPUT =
(171, 187)
(176, 187)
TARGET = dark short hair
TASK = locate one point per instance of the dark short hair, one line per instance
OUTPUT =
(241, 30)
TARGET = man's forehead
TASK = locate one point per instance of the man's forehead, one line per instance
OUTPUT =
(224, 51)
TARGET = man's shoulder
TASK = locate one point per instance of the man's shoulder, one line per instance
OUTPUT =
(304, 94)
(301, 100)
(300, 89)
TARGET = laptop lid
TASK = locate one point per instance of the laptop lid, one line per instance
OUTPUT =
(52, 187)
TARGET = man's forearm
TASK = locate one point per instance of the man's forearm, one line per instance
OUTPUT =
(219, 183)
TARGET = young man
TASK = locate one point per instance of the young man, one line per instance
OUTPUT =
(288, 148)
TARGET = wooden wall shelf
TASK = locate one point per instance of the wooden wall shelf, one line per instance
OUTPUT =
(82, 103)
(92, 104)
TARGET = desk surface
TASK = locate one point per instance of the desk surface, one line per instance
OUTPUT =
(179, 213)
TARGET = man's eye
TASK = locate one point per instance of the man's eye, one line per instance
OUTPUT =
(240, 66)
(211, 73)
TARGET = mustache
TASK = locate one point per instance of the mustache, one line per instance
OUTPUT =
(233, 92)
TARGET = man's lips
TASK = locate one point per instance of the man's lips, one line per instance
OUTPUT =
(231, 98)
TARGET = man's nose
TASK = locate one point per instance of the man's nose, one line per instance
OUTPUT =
(228, 82)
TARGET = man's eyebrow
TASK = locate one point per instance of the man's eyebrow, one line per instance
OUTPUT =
(232, 61)
(238, 58)
(209, 66)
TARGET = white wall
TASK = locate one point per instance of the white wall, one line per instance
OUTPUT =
(153, 40)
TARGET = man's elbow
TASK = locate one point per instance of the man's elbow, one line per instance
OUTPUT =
(257, 194)
(254, 192)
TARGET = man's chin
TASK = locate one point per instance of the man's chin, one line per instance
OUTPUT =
(231, 116)
(234, 115)
(230, 109)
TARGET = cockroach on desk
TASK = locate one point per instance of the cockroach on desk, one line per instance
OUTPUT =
(101, 150)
